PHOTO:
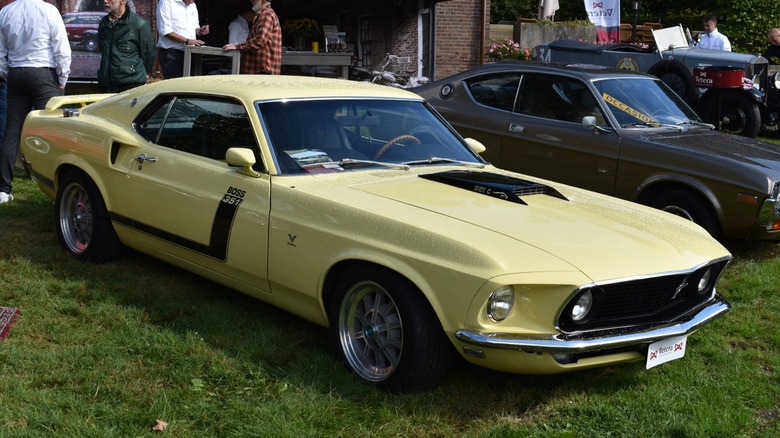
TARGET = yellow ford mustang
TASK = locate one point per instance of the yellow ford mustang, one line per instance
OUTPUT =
(357, 207)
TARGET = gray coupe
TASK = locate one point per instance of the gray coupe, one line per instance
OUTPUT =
(621, 133)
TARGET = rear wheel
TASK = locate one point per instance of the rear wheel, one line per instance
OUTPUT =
(84, 227)
(386, 331)
(689, 206)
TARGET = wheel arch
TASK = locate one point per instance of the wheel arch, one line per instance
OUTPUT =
(655, 187)
(74, 165)
(403, 270)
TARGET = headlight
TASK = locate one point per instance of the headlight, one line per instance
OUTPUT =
(703, 285)
(582, 307)
(776, 81)
(500, 303)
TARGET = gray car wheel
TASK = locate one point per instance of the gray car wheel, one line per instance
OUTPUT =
(84, 227)
(387, 333)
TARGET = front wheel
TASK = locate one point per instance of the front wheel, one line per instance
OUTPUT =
(386, 331)
(739, 114)
(84, 227)
(688, 206)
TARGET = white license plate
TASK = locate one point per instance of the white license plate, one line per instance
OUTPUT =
(666, 350)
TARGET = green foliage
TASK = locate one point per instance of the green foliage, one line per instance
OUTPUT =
(745, 22)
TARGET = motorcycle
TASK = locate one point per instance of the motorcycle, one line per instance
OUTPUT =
(384, 76)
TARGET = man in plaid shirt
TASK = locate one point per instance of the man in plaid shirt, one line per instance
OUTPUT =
(261, 53)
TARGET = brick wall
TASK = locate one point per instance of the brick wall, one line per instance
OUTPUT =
(458, 30)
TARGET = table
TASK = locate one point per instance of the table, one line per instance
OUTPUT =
(193, 59)
(339, 59)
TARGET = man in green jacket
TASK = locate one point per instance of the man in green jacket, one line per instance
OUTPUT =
(127, 48)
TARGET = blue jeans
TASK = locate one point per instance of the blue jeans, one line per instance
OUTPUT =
(28, 88)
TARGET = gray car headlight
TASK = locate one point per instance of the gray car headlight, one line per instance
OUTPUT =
(500, 303)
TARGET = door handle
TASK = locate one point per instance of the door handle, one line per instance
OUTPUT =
(143, 157)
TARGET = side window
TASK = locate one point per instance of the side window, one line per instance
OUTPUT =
(557, 97)
(496, 90)
(197, 125)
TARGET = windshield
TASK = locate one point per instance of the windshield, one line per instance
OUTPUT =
(309, 136)
(637, 103)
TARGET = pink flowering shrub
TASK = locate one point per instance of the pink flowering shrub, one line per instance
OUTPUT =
(508, 50)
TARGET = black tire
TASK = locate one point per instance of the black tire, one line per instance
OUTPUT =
(688, 205)
(677, 76)
(403, 348)
(90, 43)
(739, 114)
(84, 227)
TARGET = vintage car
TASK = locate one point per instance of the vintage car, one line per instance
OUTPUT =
(616, 132)
(82, 28)
(744, 110)
(357, 207)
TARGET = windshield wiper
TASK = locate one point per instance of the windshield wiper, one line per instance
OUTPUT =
(694, 122)
(346, 162)
(435, 160)
(654, 125)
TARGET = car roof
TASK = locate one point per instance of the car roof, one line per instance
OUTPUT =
(274, 87)
(585, 71)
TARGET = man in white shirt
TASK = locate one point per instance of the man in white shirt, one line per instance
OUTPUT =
(35, 64)
(238, 30)
(711, 38)
(178, 25)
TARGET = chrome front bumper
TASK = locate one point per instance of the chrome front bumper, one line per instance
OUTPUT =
(586, 342)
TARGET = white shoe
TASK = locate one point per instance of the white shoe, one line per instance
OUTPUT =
(5, 197)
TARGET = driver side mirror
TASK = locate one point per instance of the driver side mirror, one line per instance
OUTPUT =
(243, 158)
(477, 146)
(589, 122)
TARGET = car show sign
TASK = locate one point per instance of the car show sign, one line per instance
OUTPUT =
(718, 77)
(605, 15)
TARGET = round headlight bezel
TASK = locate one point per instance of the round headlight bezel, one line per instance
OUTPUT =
(501, 303)
(582, 306)
(574, 315)
(704, 282)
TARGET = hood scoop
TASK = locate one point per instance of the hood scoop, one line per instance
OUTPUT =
(494, 185)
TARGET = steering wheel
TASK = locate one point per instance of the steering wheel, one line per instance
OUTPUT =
(395, 141)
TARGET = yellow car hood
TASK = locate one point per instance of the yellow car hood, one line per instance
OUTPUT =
(601, 236)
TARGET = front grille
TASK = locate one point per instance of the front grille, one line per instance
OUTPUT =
(759, 73)
(655, 300)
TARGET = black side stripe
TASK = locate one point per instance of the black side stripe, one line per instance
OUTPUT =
(218, 242)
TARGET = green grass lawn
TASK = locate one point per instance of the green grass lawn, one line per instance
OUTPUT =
(106, 350)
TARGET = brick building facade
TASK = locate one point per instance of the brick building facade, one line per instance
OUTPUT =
(439, 37)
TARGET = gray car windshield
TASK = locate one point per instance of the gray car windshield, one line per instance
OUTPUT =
(639, 103)
(314, 136)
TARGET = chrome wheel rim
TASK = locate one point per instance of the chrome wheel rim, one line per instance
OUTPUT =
(370, 331)
(76, 218)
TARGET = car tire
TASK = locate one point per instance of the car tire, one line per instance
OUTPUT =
(677, 76)
(738, 113)
(688, 205)
(90, 43)
(84, 227)
(386, 332)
